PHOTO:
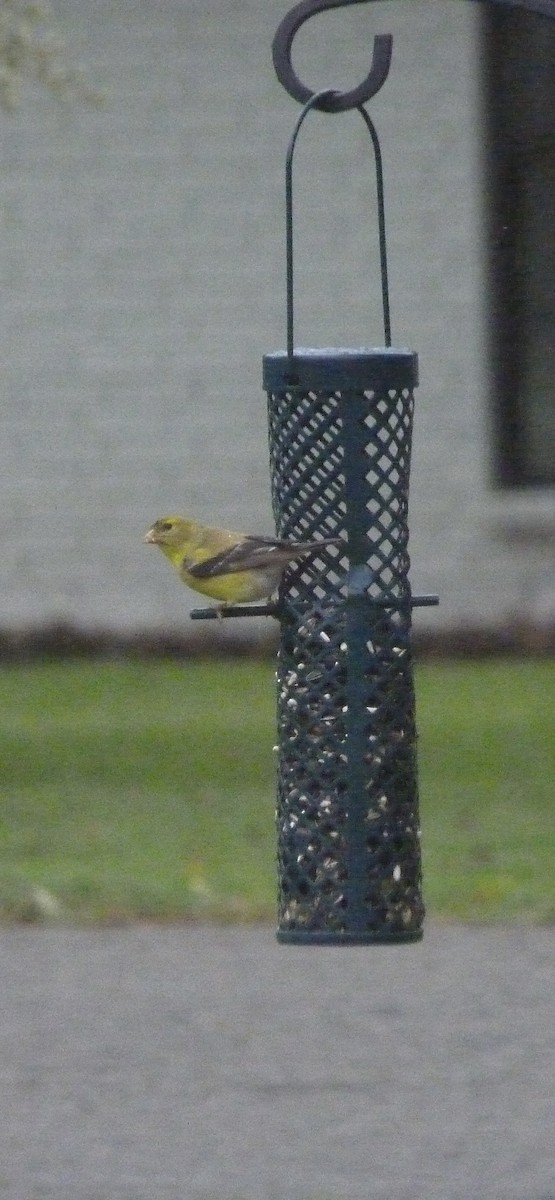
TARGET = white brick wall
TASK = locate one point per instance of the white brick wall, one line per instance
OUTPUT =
(142, 267)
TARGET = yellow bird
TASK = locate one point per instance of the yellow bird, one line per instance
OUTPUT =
(233, 568)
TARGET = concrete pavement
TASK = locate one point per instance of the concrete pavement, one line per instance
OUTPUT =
(209, 1063)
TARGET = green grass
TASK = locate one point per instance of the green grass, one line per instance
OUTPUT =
(487, 781)
(138, 790)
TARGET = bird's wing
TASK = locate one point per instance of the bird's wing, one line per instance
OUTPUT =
(251, 554)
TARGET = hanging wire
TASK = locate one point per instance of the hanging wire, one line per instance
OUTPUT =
(316, 101)
(381, 225)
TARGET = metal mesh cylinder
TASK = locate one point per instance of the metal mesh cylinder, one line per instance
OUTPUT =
(347, 811)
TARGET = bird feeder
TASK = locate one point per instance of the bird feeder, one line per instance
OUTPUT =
(340, 427)
(340, 445)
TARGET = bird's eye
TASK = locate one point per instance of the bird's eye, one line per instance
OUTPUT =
(166, 526)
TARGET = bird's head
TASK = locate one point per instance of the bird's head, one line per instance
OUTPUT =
(169, 533)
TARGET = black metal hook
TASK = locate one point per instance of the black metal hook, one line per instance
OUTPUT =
(332, 101)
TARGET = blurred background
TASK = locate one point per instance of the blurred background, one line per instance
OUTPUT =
(142, 260)
(143, 278)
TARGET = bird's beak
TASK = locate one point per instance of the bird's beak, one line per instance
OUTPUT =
(150, 538)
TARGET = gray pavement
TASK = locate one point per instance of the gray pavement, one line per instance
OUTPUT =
(193, 1063)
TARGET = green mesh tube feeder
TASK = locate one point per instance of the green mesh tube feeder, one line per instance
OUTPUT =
(340, 428)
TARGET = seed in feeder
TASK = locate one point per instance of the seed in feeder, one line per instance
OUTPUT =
(397, 873)
(324, 637)
(292, 703)
(343, 647)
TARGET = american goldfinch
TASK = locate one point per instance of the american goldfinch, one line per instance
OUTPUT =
(233, 568)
